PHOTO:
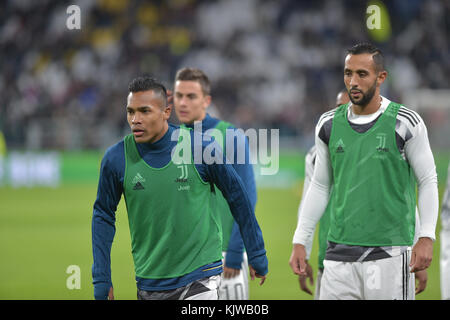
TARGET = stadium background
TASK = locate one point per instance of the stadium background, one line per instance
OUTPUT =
(273, 65)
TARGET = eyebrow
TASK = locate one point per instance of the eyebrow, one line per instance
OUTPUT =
(358, 70)
(140, 108)
(186, 94)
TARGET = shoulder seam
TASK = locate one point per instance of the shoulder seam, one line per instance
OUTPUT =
(410, 112)
(408, 117)
(325, 117)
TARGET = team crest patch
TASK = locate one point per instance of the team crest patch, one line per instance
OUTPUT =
(183, 178)
(382, 143)
(184, 174)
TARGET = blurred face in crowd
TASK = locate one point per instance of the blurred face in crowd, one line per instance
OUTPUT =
(147, 115)
(361, 78)
(190, 101)
(342, 98)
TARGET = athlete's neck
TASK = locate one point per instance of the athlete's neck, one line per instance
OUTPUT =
(161, 141)
(191, 124)
(204, 119)
(369, 108)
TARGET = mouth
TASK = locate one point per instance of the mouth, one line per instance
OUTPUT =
(138, 132)
(183, 113)
(355, 93)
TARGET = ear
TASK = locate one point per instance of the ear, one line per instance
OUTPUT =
(381, 77)
(167, 111)
(207, 101)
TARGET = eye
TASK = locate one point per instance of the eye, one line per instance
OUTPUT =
(362, 74)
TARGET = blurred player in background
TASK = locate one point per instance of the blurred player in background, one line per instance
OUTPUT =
(370, 153)
(310, 160)
(175, 232)
(445, 242)
(191, 98)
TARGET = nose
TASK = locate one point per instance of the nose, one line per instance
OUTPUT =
(353, 82)
(136, 118)
(182, 102)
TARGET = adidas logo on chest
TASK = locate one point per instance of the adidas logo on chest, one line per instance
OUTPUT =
(138, 182)
(340, 146)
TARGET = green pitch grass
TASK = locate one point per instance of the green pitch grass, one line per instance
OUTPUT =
(43, 231)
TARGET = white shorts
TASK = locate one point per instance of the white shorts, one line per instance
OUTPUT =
(445, 264)
(383, 279)
(236, 288)
(203, 289)
(213, 284)
(319, 279)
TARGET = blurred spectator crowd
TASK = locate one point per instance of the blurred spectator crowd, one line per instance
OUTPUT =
(273, 64)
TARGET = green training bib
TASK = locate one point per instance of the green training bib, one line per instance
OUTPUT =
(373, 199)
(172, 225)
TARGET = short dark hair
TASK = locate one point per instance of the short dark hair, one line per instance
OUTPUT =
(365, 47)
(145, 83)
(194, 74)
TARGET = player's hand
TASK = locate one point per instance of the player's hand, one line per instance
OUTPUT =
(230, 272)
(422, 254)
(253, 274)
(111, 294)
(421, 281)
(169, 98)
(303, 279)
(298, 260)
